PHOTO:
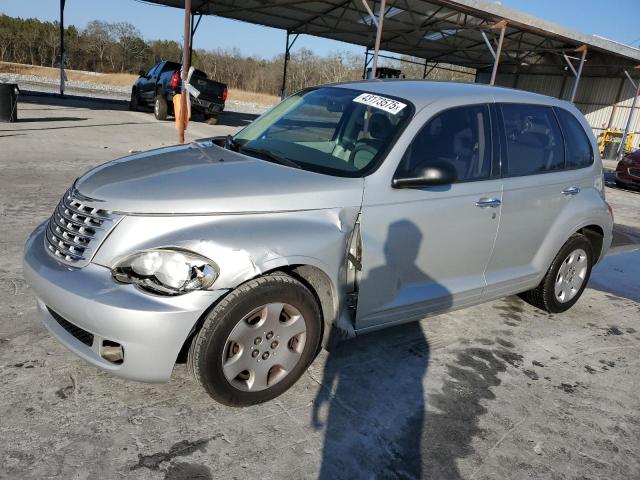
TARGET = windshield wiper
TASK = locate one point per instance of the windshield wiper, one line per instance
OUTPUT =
(230, 143)
(268, 155)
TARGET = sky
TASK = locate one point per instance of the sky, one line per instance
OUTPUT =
(618, 21)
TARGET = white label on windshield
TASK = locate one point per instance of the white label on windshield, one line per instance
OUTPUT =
(387, 104)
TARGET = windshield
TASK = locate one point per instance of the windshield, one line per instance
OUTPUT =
(328, 130)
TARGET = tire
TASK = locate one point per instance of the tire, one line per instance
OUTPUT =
(160, 107)
(215, 356)
(545, 296)
(619, 184)
(134, 102)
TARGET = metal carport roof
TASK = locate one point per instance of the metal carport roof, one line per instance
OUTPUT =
(443, 31)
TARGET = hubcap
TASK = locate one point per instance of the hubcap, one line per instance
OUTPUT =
(264, 347)
(156, 107)
(571, 275)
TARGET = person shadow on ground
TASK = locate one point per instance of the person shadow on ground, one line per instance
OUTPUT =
(372, 386)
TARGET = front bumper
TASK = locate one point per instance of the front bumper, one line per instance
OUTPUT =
(151, 329)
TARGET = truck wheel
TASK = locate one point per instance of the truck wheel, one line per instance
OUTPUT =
(160, 107)
(566, 278)
(134, 102)
(257, 341)
(210, 119)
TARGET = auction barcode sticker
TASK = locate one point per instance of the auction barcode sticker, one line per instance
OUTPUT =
(387, 104)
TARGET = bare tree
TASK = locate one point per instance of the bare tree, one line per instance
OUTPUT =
(129, 42)
(99, 36)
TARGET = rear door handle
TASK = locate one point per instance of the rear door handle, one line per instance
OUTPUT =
(571, 191)
(488, 202)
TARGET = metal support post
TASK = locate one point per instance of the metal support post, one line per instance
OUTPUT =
(366, 63)
(376, 50)
(502, 26)
(576, 73)
(286, 62)
(62, 74)
(627, 127)
(185, 70)
(194, 26)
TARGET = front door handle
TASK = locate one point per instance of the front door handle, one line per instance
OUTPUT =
(488, 202)
(571, 191)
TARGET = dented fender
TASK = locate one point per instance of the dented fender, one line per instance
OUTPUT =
(245, 246)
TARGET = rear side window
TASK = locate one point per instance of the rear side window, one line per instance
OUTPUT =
(171, 66)
(459, 136)
(579, 152)
(533, 140)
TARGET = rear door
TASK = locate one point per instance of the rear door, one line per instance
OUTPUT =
(424, 250)
(537, 187)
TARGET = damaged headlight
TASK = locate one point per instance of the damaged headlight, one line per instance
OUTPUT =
(166, 271)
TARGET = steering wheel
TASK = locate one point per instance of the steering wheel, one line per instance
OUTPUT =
(362, 147)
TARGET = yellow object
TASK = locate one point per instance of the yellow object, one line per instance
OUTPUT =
(615, 136)
(177, 107)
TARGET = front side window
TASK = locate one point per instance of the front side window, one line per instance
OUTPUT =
(460, 137)
(533, 139)
(579, 152)
(329, 130)
(152, 71)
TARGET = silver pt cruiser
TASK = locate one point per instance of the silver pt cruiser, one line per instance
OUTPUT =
(343, 209)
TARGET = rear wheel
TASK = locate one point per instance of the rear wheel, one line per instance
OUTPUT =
(257, 341)
(160, 107)
(566, 278)
(134, 102)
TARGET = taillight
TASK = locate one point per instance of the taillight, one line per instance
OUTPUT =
(173, 83)
(224, 93)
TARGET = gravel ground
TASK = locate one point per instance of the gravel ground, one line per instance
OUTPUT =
(498, 391)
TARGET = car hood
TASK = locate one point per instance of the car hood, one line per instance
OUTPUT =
(203, 178)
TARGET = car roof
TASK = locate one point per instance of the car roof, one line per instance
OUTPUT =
(424, 92)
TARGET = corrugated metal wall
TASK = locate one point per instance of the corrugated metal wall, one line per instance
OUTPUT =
(605, 102)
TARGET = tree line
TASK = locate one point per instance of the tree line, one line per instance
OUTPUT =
(119, 47)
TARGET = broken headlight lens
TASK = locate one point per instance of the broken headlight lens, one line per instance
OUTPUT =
(166, 271)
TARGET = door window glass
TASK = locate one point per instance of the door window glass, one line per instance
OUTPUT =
(579, 152)
(460, 137)
(534, 141)
(152, 71)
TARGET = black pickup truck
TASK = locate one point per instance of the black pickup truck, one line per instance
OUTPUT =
(158, 86)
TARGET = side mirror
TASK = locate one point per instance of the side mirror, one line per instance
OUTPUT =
(432, 175)
(142, 73)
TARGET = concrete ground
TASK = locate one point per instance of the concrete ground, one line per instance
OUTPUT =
(496, 391)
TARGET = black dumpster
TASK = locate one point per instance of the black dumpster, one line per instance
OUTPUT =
(8, 102)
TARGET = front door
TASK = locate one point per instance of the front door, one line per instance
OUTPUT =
(425, 250)
(148, 85)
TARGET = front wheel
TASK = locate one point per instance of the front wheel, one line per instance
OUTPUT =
(566, 278)
(257, 341)
(160, 107)
(210, 119)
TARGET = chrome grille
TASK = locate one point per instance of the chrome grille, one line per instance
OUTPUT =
(76, 229)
